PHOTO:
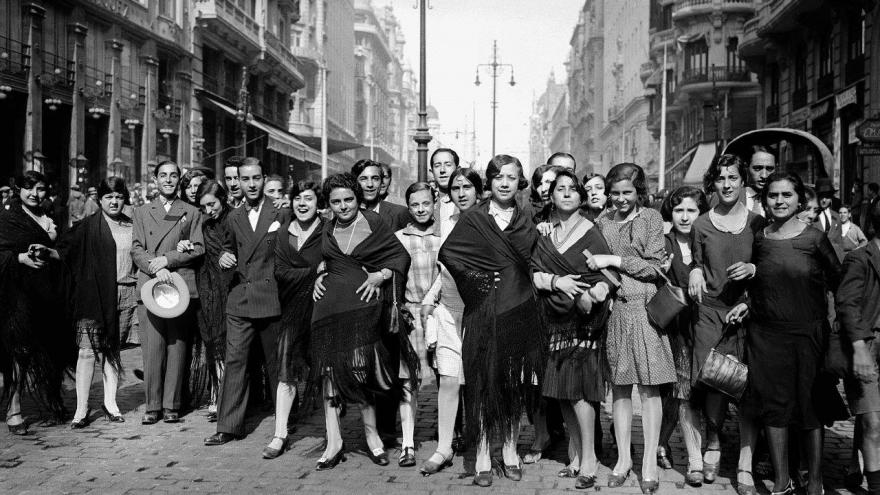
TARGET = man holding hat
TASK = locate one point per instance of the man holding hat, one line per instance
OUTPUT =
(827, 218)
(252, 308)
(158, 227)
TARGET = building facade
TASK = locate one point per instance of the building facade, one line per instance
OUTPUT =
(91, 88)
(324, 38)
(712, 96)
(623, 135)
(541, 126)
(585, 85)
(817, 63)
(382, 103)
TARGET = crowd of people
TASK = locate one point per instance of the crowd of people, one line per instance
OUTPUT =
(535, 297)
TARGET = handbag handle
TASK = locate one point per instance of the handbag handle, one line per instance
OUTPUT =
(724, 331)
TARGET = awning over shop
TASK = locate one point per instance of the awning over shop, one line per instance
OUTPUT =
(278, 140)
(702, 158)
(286, 143)
(333, 145)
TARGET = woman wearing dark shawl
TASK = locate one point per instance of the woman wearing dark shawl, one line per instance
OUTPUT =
(297, 258)
(97, 252)
(488, 254)
(352, 299)
(36, 344)
(213, 285)
(575, 302)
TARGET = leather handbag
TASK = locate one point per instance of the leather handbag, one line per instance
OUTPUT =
(724, 372)
(666, 304)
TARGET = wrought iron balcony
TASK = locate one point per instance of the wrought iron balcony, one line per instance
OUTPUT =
(719, 74)
(227, 19)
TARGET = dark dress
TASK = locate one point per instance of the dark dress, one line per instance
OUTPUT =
(785, 330)
(37, 340)
(213, 287)
(295, 272)
(346, 331)
(714, 251)
(681, 337)
(503, 345)
(574, 371)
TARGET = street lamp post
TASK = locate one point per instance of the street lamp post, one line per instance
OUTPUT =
(422, 137)
(495, 67)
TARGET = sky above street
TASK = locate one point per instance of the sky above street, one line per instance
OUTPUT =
(532, 35)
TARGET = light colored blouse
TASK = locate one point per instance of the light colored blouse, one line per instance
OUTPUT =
(122, 234)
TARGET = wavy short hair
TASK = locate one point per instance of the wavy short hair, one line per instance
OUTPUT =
(538, 177)
(308, 185)
(114, 185)
(214, 188)
(494, 168)
(799, 188)
(567, 172)
(416, 187)
(29, 179)
(679, 195)
(359, 166)
(631, 172)
(469, 174)
(344, 180)
(720, 162)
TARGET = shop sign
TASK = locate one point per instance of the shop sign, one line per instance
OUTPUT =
(869, 131)
(847, 97)
(869, 149)
(819, 110)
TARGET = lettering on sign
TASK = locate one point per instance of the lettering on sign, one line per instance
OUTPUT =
(116, 6)
(869, 131)
(845, 98)
(868, 150)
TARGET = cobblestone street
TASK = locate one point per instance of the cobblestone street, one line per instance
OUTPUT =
(105, 458)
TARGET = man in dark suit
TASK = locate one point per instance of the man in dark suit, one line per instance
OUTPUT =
(252, 308)
(157, 229)
(369, 175)
(827, 218)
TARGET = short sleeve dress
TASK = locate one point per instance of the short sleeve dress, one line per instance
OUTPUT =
(789, 309)
(636, 352)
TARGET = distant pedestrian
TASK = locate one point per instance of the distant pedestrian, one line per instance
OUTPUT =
(846, 236)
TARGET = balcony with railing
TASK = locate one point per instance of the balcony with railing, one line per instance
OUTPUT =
(658, 39)
(688, 8)
(227, 19)
(97, 89)
(15, 59)
(58, 76)
(308, 54)
(702, 78)
(280, 52)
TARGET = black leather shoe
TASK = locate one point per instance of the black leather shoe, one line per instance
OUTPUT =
(649, 486)
(212, 416)
(170, 416)
(113, 418)
(150, 418)
(513, 473)
(219, 438)
(325, 464)
(407, 457)
(380, 459)
(20, 429)
(271, 453)
(78, 424)
(584, 482)
(429, 468)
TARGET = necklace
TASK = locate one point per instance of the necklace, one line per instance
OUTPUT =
(351, 236)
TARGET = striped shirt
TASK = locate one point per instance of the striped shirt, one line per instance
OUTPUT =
(422, 247)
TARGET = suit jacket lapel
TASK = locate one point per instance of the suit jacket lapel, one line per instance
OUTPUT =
(164, 226)
(267, 215)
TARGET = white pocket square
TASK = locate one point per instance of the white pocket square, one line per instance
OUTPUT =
(275, 226)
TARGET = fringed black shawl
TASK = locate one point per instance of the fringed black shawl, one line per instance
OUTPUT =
(296, 271)
(503, 345)
(89, 252)
(346, 332)
(561, 316)
(36, 338)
